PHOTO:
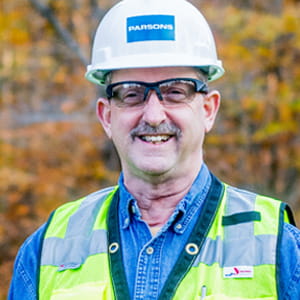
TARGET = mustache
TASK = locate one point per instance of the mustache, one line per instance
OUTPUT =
(164, 128)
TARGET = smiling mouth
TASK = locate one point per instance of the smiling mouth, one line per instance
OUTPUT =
(155, 139)
(155, 134)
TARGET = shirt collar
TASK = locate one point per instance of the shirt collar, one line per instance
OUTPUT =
(184, 210)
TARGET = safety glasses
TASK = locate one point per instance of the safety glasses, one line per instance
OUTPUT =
(170, 91)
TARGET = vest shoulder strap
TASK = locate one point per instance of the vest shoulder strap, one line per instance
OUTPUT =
(73, 252)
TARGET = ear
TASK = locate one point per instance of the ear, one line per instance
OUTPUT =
(211, 105)
(104, 115)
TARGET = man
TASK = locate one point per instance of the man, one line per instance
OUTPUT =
(170, 229)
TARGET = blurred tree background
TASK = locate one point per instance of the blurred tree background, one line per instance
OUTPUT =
(53, 150)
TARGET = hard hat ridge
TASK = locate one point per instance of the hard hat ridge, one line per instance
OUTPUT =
(134, 34)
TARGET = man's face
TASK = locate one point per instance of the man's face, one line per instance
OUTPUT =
(154, 140)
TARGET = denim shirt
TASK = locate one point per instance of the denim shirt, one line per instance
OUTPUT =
(147, 259)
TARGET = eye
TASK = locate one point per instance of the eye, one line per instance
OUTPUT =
(128, 94)
(175, 91)
(133, 94)
(175, 94)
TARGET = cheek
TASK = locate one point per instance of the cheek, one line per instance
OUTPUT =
(122, 123)
(195, 126)
(193, 118)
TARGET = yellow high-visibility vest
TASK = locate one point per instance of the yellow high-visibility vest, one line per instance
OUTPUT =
(232, 253)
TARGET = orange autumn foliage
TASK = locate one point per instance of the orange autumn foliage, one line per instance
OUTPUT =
(53, 150)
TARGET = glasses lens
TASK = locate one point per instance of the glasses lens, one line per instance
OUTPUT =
(177, 91)
(128, 94)
(171, 91)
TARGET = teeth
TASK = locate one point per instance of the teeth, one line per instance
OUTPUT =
(155, 138)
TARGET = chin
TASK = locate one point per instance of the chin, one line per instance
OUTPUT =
(152, 170)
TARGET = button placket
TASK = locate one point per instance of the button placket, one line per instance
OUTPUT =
(147, 278)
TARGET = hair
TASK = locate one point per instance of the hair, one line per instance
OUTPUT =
(107, 78)
(202, 75)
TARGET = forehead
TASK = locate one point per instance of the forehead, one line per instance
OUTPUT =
(153, 74)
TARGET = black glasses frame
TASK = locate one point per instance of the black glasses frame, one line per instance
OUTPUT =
(200, 86)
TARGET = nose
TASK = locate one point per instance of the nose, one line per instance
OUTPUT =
(154, 111)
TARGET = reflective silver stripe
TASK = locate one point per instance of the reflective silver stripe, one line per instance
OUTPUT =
(237, 253)
(240, 246)
(80, 240)
(71, 253)
(82, 221)
(239, 201)
(240, 240)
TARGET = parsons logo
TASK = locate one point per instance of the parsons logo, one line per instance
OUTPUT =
(150, 28)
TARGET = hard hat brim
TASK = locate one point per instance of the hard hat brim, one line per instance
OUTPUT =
(96, 73)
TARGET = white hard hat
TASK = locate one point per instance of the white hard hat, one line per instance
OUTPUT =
(153, 33)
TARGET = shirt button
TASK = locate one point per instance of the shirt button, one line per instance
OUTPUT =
(126, 222)
(149, 250)
(178, 226)
(133, 209)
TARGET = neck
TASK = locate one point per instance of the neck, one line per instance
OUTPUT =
(157, 200)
